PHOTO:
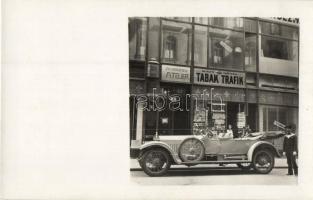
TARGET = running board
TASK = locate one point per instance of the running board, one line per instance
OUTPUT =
(216, 162)
(235, 157)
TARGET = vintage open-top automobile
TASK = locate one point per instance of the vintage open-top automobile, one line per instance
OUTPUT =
(253, 151)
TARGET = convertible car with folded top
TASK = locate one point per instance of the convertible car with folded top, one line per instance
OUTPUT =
(255, 151)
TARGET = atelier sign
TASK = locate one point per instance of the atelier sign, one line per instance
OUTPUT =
(219, 78)
(175, 74)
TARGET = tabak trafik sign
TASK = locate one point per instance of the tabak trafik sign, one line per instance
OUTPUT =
(219, 78)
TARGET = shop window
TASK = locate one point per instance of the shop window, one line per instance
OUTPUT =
(271, 117)
(284, 115)
(176, 45)
(279, 48)
(137, 28)
(200, 46)
(153, 43)
(227, 22)
(250, 52)
(226, 48)
(202, 117)
(279, 30)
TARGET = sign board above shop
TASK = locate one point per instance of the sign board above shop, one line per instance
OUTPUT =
(175, 74)
(219, 78)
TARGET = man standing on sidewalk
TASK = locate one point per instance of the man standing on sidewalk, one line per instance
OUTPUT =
(291, 149)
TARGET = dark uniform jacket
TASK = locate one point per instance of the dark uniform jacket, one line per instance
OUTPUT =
(290, 144)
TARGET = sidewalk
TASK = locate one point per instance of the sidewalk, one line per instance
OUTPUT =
(279, 163)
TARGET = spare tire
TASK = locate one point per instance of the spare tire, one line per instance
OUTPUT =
(191, 150)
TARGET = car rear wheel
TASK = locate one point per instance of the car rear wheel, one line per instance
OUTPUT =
(244, 166)
(155, 162)
(263, 161)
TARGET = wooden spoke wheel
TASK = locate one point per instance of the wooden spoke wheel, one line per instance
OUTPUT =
(263, 161)
(155, 162)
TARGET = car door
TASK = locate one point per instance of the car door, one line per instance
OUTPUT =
(212, 145)
(234, 146)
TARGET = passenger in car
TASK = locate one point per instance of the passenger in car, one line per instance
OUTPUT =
(228, 133)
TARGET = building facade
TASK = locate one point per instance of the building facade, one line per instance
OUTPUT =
(187, 74)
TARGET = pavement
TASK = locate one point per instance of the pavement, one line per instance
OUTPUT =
(279, 163)
(214, 176)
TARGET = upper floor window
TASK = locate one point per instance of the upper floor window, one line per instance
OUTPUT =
(201, 20)
(200, 46)
(250, 51)
(279, 30)
(185, 19)
(279, 48)
(176, 45)
(170, 48)
(226, 48)
(137, 28)
(227, 22)
(218, 52)
(153, 42)
(250, 25)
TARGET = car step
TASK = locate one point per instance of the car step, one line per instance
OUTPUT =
(217, 162)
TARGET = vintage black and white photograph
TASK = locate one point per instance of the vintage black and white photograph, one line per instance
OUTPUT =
(213, 100)
(152, 100)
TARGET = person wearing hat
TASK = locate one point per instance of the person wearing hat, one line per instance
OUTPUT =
(290, 149)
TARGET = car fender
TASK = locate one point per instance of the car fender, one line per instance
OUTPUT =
(163, 145)
(259, 144)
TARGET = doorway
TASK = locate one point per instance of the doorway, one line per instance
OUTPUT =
(233, 109)
(175, 122)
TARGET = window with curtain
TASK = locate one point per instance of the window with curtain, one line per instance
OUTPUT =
(170, 48)
(176, 45)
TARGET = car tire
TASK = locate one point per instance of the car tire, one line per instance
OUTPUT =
(263, 161)
(155, 162)
(191, 150)
(244, 166)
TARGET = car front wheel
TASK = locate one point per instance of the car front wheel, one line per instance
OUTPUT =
(263, 161)
(155, 162)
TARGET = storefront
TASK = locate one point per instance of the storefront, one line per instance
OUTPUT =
(211, 73)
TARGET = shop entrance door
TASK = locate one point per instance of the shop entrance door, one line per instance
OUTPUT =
(251, 119)
(175, 122)
(232, 110)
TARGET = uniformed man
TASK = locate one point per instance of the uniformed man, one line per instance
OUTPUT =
(291, 149)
